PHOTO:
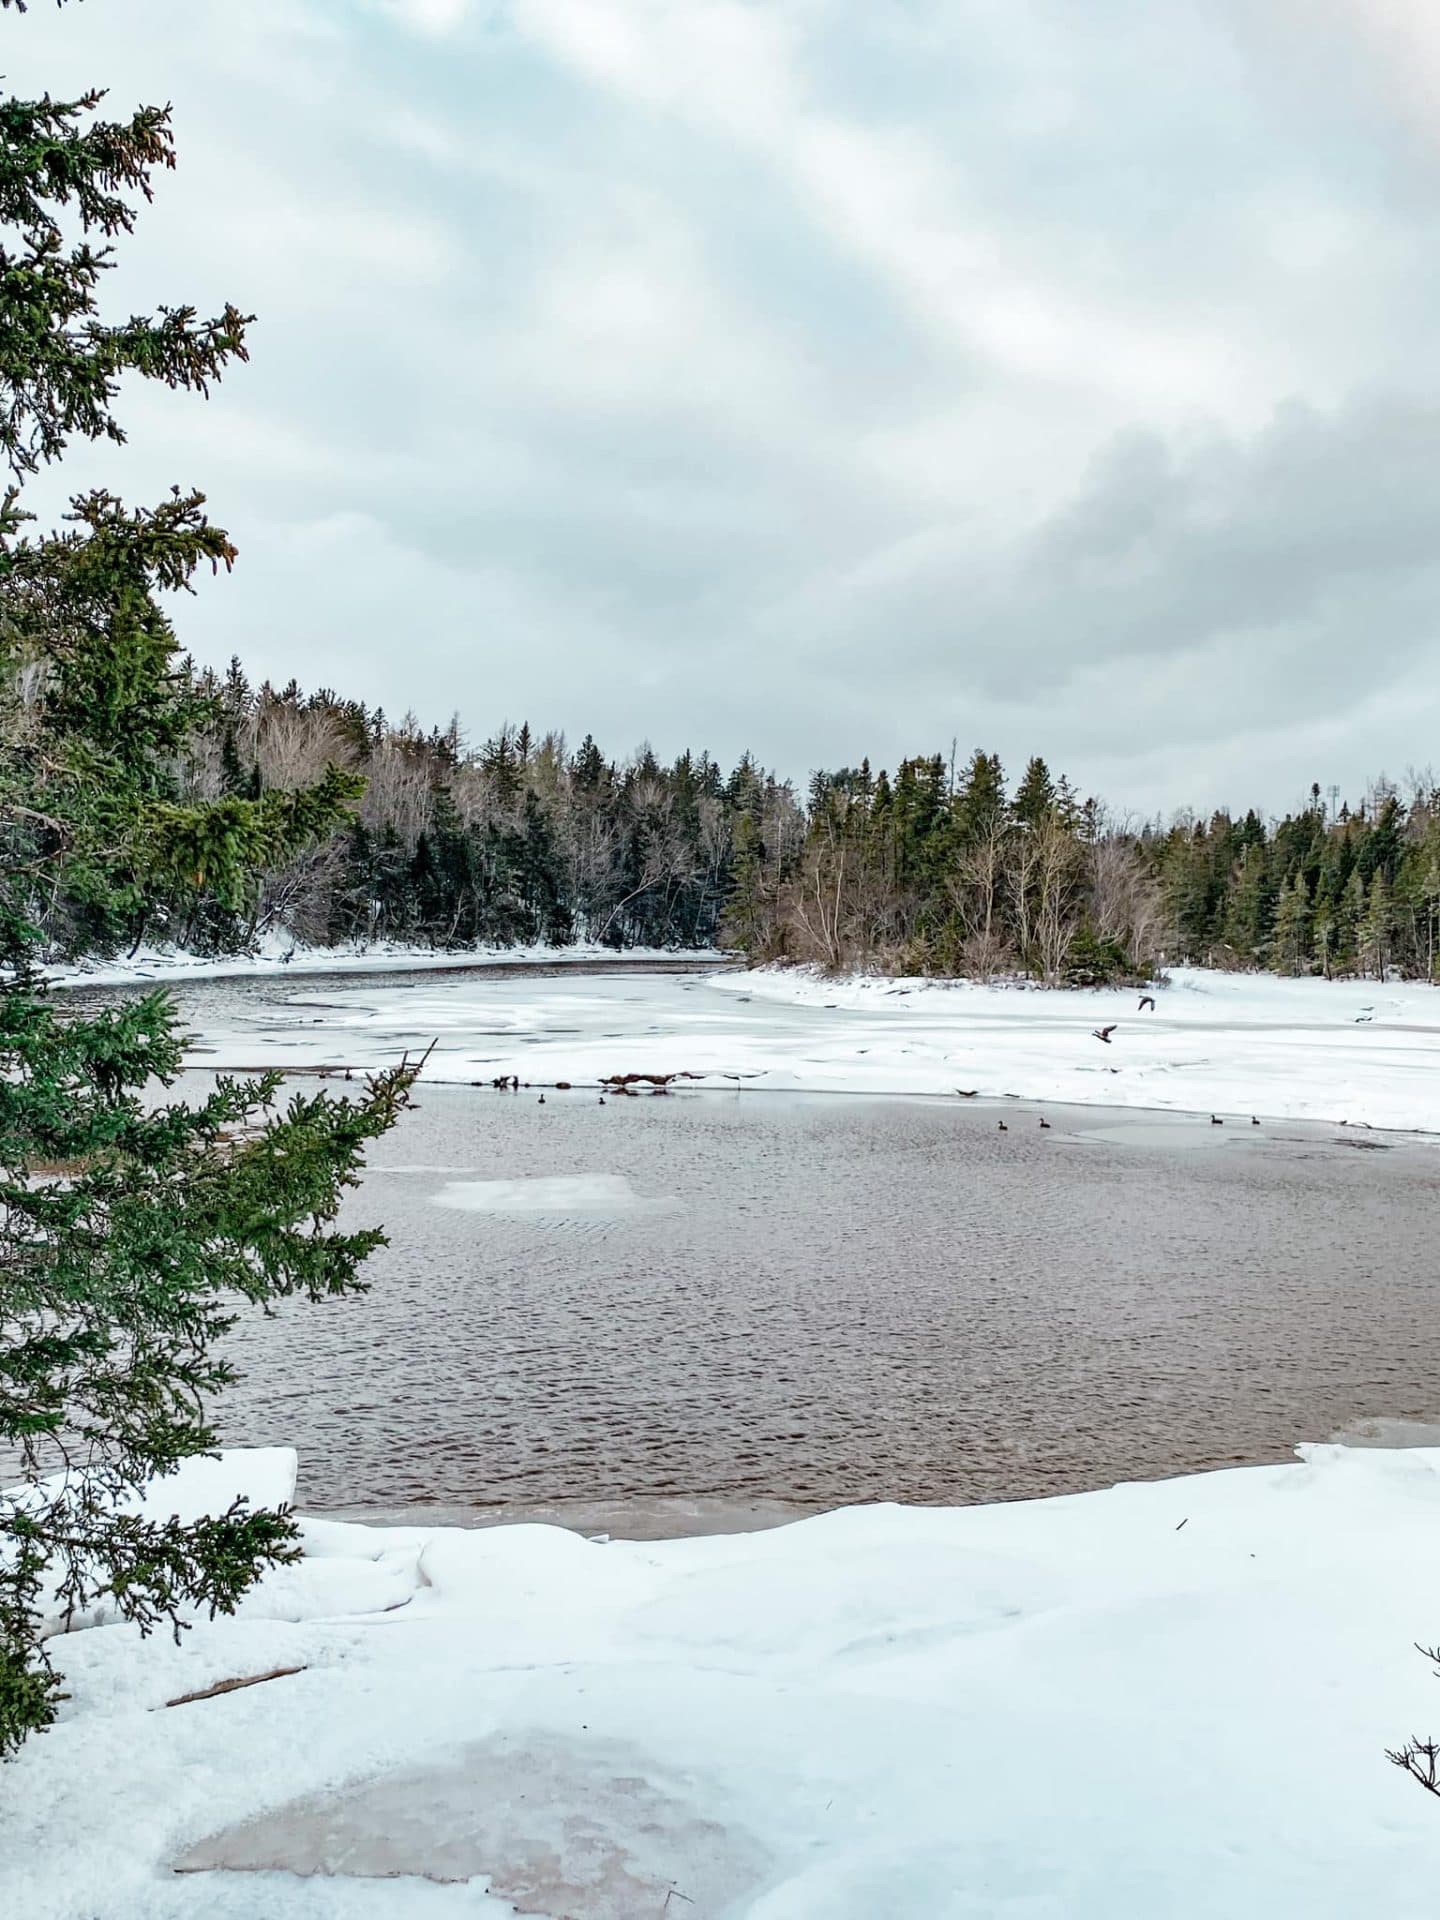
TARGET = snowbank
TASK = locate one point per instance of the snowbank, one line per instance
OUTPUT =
(280, 955)
(205, 1487)
(1231, 1043)
(1170, 1698)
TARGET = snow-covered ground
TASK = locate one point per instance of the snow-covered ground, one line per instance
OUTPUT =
(1229, 1042)
(280, 955)
(1234, 1044)
(1163, 1699)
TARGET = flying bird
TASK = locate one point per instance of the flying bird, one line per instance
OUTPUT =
(1147, 1000)
(1104, 1033)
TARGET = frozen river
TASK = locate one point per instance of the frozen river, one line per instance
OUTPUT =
(1236, 1044)
(661, 1313)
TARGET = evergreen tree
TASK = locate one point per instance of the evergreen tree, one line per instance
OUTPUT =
(501, 761)
(1349, 919)
(1427, 888)
(1249, 914)
(540, 877)
(129, 1232)
(1186, 886)
(980, 800)
(1035, 796)
(745, 920)
(1322, 936)
(1292, 927)
(1376, 929)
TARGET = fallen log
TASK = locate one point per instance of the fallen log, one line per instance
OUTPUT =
(647, 1079)
(232, 1686)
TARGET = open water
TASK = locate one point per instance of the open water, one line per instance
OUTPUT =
(706, 1308)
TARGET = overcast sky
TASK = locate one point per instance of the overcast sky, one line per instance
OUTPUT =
(819, 376)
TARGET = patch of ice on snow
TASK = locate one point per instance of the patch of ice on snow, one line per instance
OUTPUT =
(558, 1827)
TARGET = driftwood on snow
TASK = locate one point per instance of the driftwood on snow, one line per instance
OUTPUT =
(232, 1686)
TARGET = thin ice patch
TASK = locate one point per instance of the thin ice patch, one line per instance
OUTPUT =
(605, 1196)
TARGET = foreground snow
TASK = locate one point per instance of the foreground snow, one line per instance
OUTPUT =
(1237, 1044)
(1169, 1698)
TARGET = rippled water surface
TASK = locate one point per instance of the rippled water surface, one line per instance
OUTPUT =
(722, 1303)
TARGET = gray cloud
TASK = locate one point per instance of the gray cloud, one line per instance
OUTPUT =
(767, 375)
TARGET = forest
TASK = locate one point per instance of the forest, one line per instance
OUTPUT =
(943, 867)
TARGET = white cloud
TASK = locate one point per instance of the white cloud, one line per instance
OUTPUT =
(1404, 35)
(820, 378)
(890, 199)
(436, 17)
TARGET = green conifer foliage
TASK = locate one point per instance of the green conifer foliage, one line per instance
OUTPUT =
(980, 801)
(130, 1233)
(1035, 797)
(1292, 927)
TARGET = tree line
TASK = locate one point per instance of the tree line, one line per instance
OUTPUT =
(520, 839)
(939, 871)
(943, 868)
(1338, 890)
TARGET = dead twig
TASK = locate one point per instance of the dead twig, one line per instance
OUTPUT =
(1421, 1760)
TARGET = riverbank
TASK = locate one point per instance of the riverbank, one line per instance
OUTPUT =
(1168, 1698)
(279, 956)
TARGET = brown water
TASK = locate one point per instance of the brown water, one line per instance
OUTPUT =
(846, 1299)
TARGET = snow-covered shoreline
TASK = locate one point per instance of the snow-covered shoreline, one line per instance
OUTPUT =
(1170, 1697)
(279, 955)
(1235, 1045)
